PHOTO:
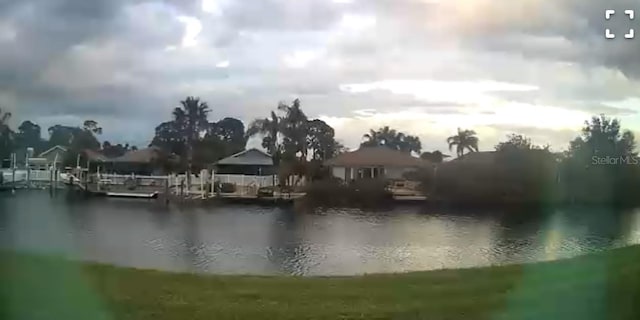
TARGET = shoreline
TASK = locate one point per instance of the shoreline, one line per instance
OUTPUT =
(308, 202)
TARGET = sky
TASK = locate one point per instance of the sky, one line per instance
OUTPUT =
(425, 67)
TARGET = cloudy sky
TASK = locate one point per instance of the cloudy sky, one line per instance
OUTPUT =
(426, 67)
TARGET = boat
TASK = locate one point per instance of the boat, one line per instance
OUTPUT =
(153, 195)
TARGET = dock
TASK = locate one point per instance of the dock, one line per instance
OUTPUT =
(245, 189)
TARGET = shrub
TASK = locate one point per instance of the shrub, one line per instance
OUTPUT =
(512, 177)
(333, 192)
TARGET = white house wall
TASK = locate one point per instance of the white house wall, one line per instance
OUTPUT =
(396, 172)
(338, 172)
(390, 172)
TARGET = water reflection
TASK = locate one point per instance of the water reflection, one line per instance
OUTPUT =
(265, 240)
(286, 249)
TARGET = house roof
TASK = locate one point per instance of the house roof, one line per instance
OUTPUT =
(377, 156)
(40, 161)
(484, 157)
(58, 147)
(95, 156)
(248, 157)
(146, 155)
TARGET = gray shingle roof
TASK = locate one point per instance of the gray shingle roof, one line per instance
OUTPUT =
(146, 155)
(248, 157)
(376, 156)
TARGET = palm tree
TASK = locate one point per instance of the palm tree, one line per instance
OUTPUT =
(372, 139)
(410, 144)
(191, 120)
(294, 129)
(393, 139)
(465, 139)
(435, 156)
(268, 128)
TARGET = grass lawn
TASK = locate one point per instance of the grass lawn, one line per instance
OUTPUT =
(600, 286)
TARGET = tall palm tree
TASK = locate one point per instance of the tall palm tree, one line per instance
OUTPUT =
(191, 120)
(465, 139)
(372, 139)
(294, 129)
(268, 128)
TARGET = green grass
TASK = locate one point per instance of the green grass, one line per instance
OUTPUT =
(600, 286)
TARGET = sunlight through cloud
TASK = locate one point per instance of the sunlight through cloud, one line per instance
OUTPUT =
(357, 22)
(223, 64)
(193, 27)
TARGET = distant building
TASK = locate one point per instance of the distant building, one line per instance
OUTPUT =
(249, 162)
(374, 162)
(142, 161)
(50, 158)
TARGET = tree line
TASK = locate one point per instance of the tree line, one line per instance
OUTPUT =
(600, 166)
(74, 138)
(189, 141)
(287, 134)
(403, 142)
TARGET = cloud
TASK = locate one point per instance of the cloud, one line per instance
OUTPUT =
(425, 67)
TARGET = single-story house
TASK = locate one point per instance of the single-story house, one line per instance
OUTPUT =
(249, 162)
(142, 161)
(94, 156)
(374, 162)
(50, 158)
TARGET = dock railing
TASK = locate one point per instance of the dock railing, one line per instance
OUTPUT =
(202, 184)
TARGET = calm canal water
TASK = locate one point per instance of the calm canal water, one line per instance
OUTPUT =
(241, 239)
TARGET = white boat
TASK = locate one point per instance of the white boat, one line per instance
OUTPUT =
(64, 176)
(132, 195)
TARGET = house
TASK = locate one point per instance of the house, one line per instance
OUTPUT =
(374, 162)
(142, 161)
(94, 156)
(248, 162)
(51, 158)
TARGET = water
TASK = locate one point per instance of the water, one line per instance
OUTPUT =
(241, 239)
